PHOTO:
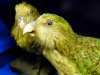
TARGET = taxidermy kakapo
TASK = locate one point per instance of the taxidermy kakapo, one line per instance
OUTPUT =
(25, 14)
(68, 52)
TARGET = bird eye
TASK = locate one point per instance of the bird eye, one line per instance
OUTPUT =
(21, 18)
(49, 22)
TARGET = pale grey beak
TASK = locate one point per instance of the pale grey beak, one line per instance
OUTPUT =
(29, 27)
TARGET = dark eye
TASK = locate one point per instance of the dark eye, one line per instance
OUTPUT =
(20, 18)
(50, 22)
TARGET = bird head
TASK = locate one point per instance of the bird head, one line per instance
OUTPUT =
(25, 13)
(51, 30)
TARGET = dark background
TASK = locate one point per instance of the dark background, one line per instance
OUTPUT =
(83, 15)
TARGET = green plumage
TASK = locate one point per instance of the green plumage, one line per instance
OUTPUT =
(25, 14)
(69, 53)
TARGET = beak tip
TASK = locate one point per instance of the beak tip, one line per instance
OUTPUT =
(29, 27)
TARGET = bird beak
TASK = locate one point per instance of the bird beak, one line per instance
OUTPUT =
(30, 27)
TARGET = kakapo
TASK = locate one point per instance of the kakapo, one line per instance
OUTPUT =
(68, 52)
(25, 14)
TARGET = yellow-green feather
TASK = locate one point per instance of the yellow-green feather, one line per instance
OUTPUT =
(82, 51)
(29, 14)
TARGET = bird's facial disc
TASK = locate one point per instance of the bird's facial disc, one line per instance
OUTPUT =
(29, 28)
(21, 22)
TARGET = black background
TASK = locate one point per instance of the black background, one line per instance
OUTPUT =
(83, 15)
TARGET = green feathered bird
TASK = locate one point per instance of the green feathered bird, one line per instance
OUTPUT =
(69, 53)
(25, 14)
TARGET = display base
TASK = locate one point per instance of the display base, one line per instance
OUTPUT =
(25, 68)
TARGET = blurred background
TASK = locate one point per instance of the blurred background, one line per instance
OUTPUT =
(83, 15)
